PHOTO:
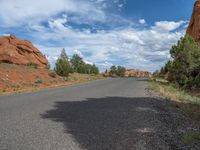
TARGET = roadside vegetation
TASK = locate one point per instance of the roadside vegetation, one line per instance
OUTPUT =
(183, 69)
(182, 101)
(81, 78)
(116, 71)
(179, 81)
(182, 72)
(64, 66)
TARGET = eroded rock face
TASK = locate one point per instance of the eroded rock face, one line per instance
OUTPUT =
(194, 25)
(16, 51)
(136, 73)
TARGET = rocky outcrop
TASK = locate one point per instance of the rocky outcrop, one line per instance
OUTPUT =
(194, 25)
(136, 73)
(21, 52)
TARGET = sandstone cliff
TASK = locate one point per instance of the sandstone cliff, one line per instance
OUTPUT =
(194, 25)
(21, 52)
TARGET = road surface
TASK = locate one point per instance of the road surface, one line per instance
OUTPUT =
(111, 114)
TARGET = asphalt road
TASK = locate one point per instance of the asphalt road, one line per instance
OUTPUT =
(111, 114)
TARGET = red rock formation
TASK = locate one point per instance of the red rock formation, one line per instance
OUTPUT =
(136, 73)
(194, 25)
(16, 51)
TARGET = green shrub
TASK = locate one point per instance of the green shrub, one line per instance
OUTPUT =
(79, 66)
(35, 66)
(62, 66)
(184, 69)
(117, 71)
(75, 65)
(38, 81)
(94, 69)
(121, 71)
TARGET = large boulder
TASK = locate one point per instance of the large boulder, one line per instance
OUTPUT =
(194, 25)
(21, 52)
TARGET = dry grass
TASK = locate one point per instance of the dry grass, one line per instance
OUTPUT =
(182, 100)
(80, 78)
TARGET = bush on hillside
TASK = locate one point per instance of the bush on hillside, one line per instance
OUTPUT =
(35, 66)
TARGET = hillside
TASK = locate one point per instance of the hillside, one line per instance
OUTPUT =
(15, 78)
(24, 68)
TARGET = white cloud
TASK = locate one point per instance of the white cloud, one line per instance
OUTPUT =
(14, 13)
(78, 53)
(5, 34)
(146, 48)
(22, 12)
(142, 21)
(168, 25)
(100, 1)
(135, 48)
(58, 23)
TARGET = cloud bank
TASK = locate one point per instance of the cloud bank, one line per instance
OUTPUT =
(86, 27)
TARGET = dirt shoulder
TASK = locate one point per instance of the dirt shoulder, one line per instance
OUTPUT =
(18, 78)
(185, 109)
(186, 102)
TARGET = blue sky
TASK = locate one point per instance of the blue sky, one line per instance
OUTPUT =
(158, 10)
(134, 33)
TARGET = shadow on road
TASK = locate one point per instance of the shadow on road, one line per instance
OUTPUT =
(115, 123)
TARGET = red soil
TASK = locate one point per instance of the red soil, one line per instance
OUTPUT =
(16, 78)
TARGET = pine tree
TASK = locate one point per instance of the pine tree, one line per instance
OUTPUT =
(62, 66)
(184, 69)
(78, 64)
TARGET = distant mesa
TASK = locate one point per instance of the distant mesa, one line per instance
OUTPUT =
(136, 73)
(21, 52)
(194, 25)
